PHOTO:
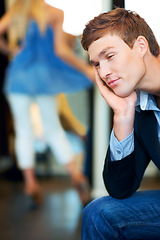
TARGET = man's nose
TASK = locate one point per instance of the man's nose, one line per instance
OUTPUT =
(105, 70)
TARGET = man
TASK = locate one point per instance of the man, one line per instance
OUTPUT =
(125, 54)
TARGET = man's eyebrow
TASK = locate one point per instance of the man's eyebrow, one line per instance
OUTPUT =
(103, 52)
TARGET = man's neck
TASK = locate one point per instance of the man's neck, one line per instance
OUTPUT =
(151, 81)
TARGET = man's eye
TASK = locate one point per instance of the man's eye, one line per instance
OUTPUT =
(110, 56)
(96, 65)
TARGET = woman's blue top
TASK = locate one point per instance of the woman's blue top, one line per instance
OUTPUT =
(36, 69)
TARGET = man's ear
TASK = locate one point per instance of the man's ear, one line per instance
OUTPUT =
(142, 44)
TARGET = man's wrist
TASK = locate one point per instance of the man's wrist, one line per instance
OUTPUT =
(123, 126)
(119, 150)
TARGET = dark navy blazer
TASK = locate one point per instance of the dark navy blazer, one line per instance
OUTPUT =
(123, 177)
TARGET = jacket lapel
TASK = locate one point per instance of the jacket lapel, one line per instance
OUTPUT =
(148, 128)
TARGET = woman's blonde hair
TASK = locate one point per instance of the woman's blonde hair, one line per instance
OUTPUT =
(22, 11)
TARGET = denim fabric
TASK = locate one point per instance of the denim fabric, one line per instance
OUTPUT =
(136, 217)
(54, 135)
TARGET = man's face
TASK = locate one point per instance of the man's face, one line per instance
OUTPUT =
(119, 66)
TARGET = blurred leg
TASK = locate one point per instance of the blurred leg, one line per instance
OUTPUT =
(54, 133)
(60, 144)
(20, 108)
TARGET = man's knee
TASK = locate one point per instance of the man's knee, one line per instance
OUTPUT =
(89, 221)
(93, 212)
(95, 222)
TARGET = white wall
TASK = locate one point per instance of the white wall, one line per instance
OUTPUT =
(149, 10)
(101, 132)
(77, 13)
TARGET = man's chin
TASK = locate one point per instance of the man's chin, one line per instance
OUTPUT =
(123, 94)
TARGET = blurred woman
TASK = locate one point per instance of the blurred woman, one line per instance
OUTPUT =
(42, 66)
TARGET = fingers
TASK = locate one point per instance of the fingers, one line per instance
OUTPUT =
(99, 81)
(104, 89)
(114, 101)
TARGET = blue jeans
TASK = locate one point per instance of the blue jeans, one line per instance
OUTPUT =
(136, 217)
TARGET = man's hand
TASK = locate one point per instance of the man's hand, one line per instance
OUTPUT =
(123, 108)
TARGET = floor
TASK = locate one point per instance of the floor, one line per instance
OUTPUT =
(58, 218)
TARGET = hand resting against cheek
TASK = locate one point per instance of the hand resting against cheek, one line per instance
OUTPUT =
(123, 109)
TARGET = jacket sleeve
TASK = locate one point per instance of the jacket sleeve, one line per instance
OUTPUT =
(119, 176)
(122, 178)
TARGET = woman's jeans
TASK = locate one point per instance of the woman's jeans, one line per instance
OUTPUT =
(54, 134)
(136, 217)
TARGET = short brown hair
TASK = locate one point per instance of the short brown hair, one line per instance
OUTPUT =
(126, 24)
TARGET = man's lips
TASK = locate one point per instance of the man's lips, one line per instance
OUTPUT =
(112, 83)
